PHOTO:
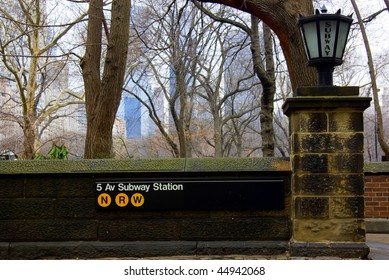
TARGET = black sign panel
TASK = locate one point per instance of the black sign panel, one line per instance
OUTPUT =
(250, 194)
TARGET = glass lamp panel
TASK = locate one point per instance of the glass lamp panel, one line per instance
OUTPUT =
(342, 38)
(328, 37)
(310, 34)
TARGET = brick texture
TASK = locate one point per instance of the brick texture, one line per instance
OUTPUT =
(377, 196)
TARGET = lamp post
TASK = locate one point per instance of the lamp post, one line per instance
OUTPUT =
(325, 36)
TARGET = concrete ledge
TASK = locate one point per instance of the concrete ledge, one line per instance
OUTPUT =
(143, 165)
(377, 225)
(4, 247)
(137, 249)
(242, 248)
(97, 249)
(350, 250)
(327, 91)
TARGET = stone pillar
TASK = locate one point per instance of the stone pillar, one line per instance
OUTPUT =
(326, 136)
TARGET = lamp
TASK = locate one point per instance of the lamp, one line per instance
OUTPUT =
(325, 36)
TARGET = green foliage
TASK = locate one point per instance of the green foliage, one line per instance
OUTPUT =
(56, 152)
(40, 157)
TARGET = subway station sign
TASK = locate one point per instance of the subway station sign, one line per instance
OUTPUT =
(177, 194)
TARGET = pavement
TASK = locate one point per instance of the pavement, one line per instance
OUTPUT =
(379, 246)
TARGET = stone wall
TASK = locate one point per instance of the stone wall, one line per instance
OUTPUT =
(48, 209)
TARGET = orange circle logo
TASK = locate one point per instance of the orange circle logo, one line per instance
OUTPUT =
(122, 199)
(137, 199)
(104, 200)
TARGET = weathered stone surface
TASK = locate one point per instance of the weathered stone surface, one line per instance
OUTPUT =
(328, 184)
(20, 208)
(313, 163)
(96, 249)
(329, 230)
(356, 250)
(237, 164)
(48, 230)
(242, 247)
(327, 91)
(347, 207)
(313, 122)
(303, 104)
(110, 167)
(103, 166)
(346, 163)
(196, 229)
(11, 187)
(346, 121)
(317, 184)
(59, 186)
(376, 167)
(140, 229)
(312, 207)
(75, 208)
(328, 143)
(4, 250)
(236, 229)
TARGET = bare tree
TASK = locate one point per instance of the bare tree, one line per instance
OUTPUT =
(282, 17)
(264, 70)
(103, 87)
(379, 119)
(27, 42)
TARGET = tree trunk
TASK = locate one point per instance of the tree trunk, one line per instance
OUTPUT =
(281, 17)
(103, 95)
(267, 78)
(379, 119)
(218, 133)
(267, 98)
(29, 138)
(29, 106)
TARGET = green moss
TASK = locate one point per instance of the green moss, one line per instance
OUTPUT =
(376, 167)
(145, 165)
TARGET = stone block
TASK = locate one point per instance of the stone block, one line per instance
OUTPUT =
(347, 207)
(237, 229)
(352, 184)
(140, 229)
(346, 163)
(60, 187)
(48, 230)
(313, 163)
(312, 122)
(327, 91)
(75, 208)
(97, 249)
(11, 187)
(242, 247)
(29, 208)
(311, 207)
(330, 230)
(328, 184)
(346, 250)
(314, 184)
(328, 142)
(346, 121)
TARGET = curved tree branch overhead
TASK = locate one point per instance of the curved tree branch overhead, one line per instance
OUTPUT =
(281, 16)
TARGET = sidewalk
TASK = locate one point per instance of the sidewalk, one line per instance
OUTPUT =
(379, 246)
